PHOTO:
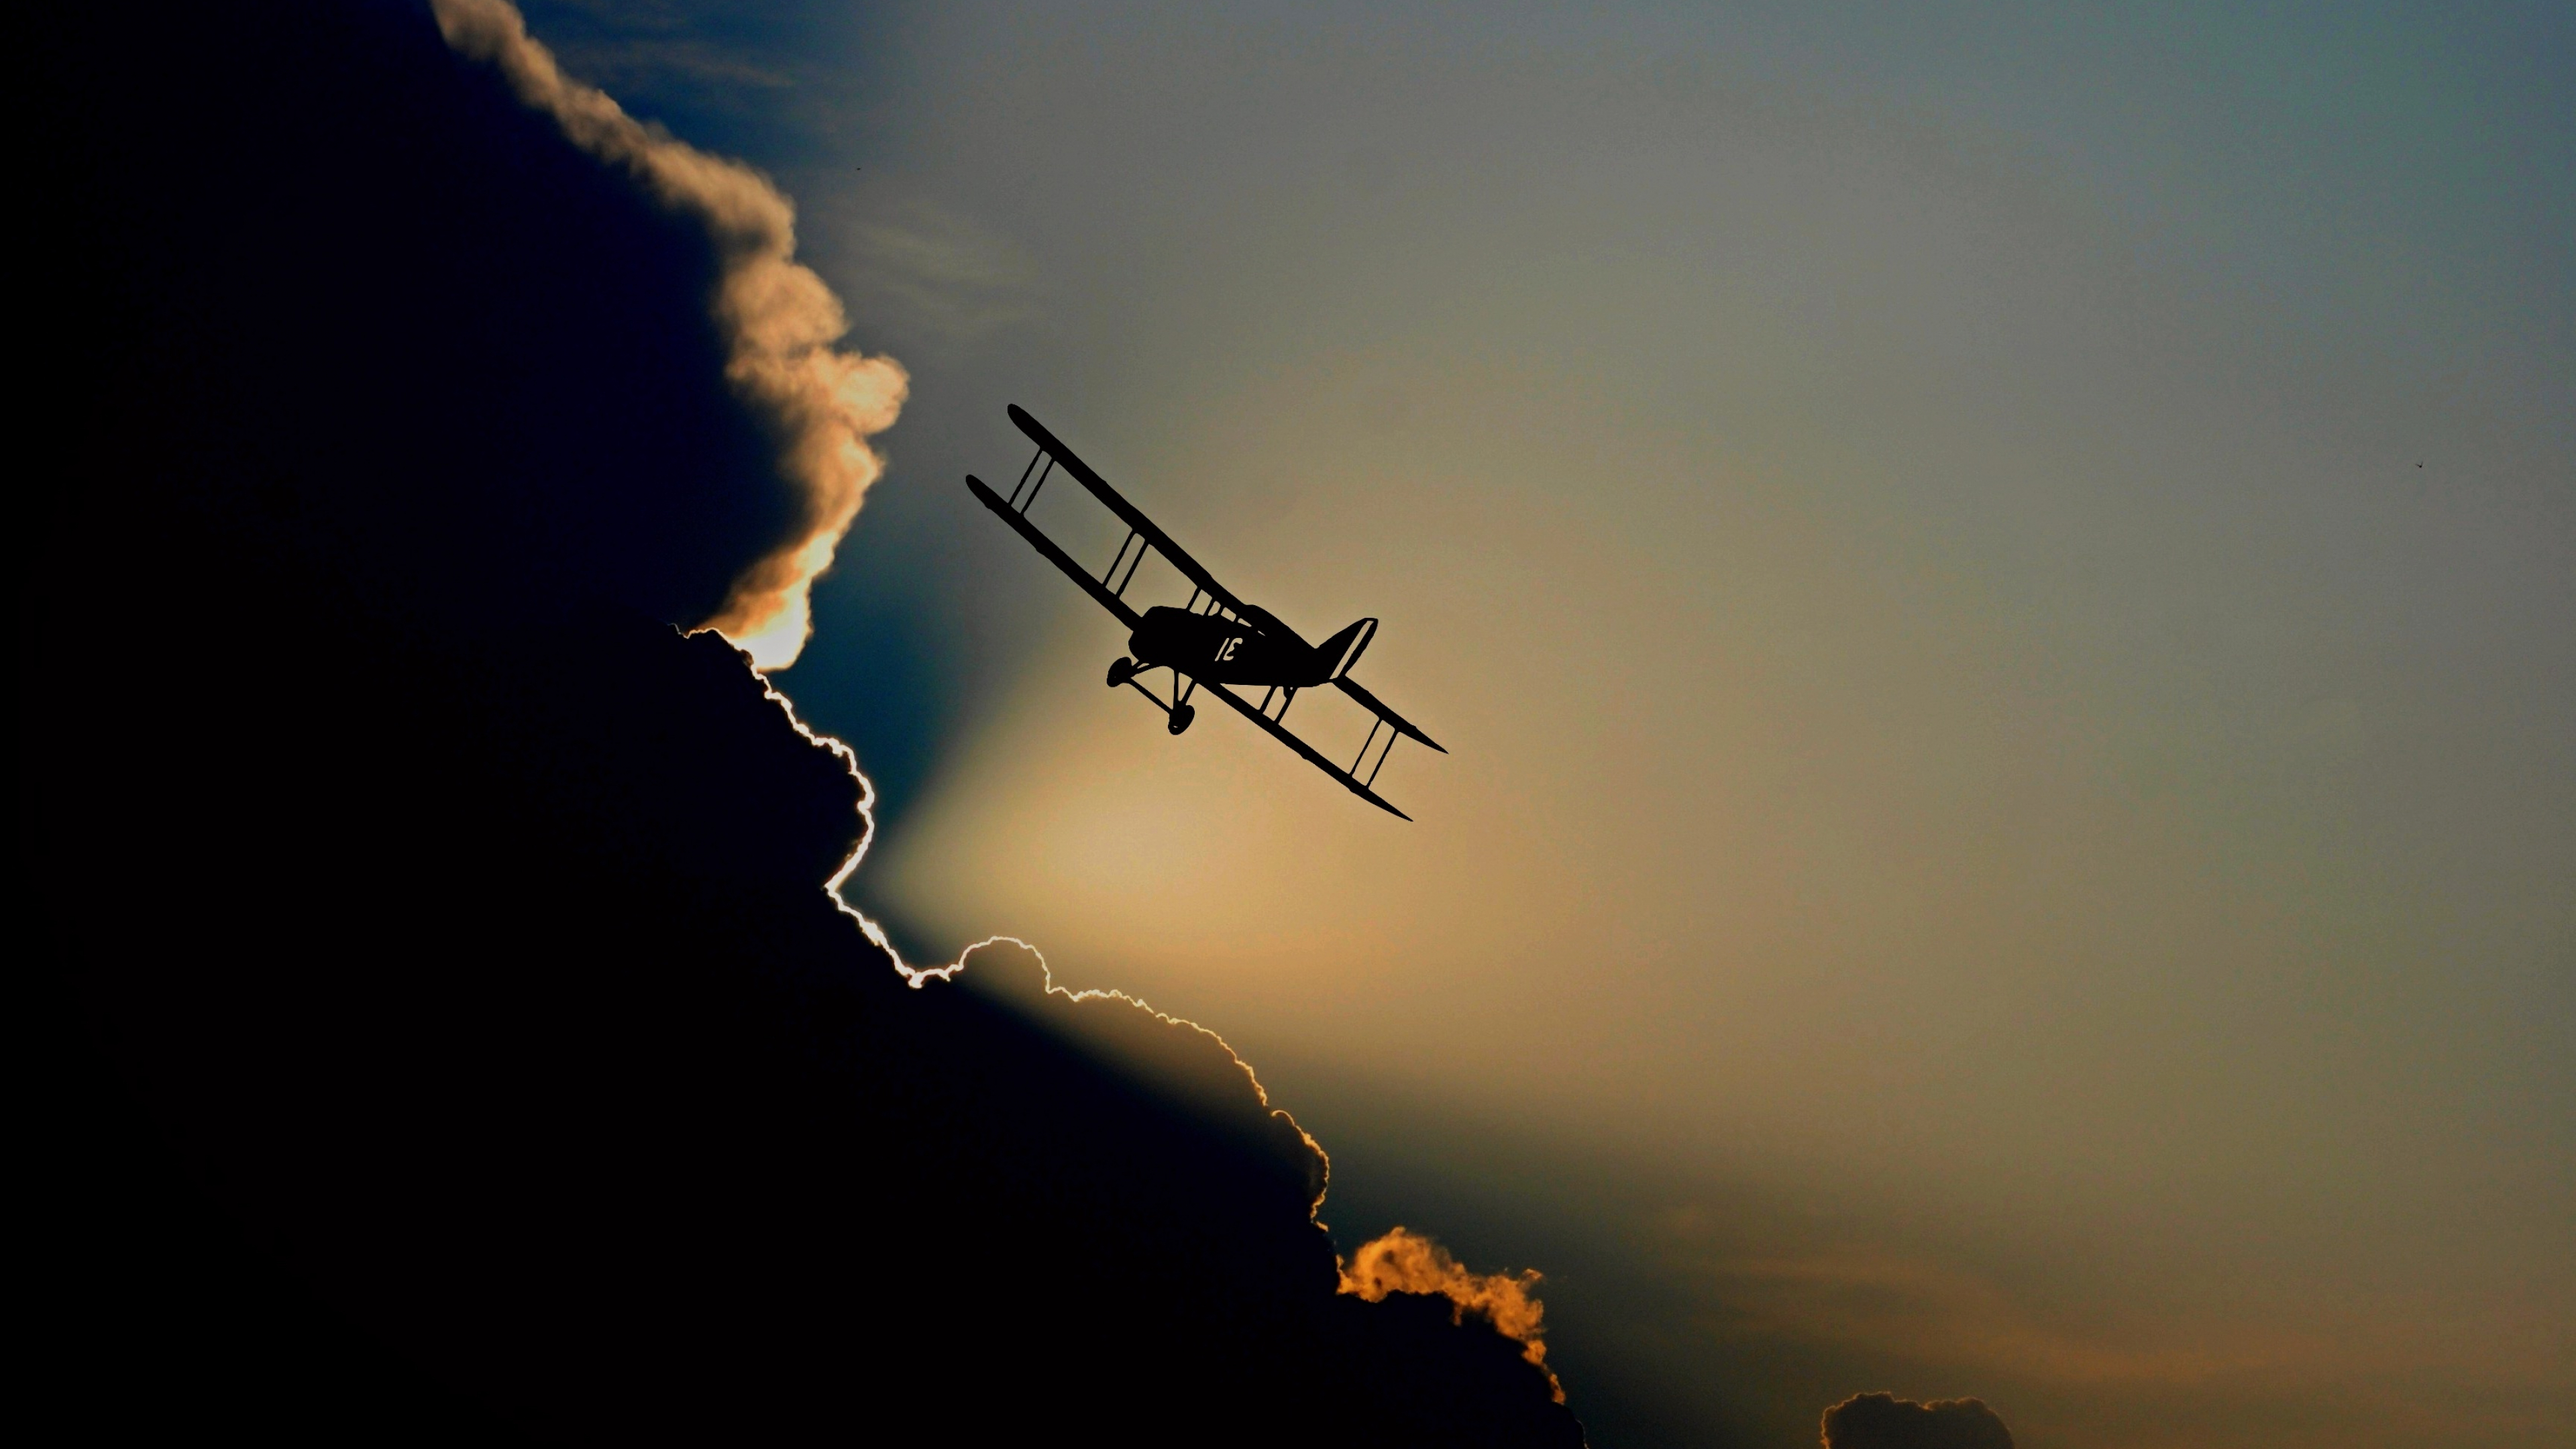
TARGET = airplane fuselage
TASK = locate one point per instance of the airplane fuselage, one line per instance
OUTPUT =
(1214, 649)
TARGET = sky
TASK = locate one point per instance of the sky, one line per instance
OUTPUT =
(1997, 582)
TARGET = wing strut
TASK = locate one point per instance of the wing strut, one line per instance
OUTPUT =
(1127, 512)
(1047, 549)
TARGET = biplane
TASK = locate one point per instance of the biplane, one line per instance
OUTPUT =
(1211, 645)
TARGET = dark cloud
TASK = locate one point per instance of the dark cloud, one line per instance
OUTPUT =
(304, 259)
(477, 1052)
(1884, 1421)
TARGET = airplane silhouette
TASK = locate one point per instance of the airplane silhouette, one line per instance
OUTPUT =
(1215, 640)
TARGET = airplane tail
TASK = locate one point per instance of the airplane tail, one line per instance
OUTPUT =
(1336, 655)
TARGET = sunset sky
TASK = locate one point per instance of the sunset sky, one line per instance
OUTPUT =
(2000, 583)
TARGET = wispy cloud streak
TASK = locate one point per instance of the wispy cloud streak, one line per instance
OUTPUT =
(781, 323)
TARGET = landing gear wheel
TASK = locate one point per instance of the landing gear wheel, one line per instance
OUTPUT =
(1122, 670)
(1182, 714)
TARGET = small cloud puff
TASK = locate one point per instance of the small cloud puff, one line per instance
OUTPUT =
(1884, 1421)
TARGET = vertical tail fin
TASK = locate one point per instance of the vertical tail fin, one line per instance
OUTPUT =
(1335, 656)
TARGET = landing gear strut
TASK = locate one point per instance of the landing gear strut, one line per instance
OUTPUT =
(1124, 671)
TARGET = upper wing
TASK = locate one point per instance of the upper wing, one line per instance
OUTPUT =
(1018, 519)
(1139, 525)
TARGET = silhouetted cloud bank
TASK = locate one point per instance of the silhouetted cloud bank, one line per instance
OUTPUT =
(1884, 1421)
(457, 922)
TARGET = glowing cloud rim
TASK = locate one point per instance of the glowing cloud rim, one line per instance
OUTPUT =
(780, 322)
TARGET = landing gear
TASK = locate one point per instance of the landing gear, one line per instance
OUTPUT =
(1124, 671)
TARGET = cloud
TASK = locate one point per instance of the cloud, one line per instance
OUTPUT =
(1884, 1421)
(780, 321)
(1402, 1261)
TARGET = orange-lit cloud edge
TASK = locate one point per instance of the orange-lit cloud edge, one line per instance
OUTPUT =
(782, 324)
